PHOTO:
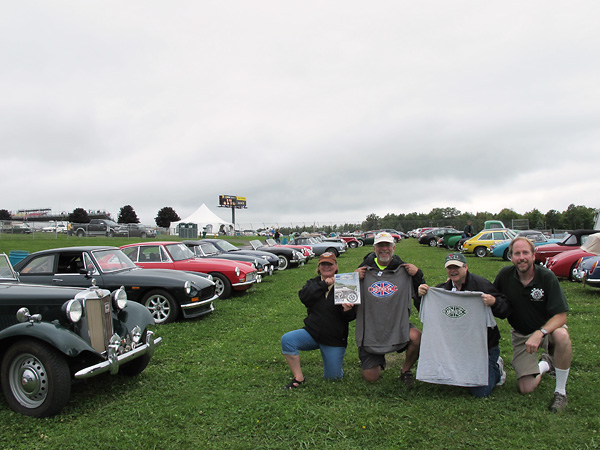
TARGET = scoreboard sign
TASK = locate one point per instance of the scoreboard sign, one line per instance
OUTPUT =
(232, 201)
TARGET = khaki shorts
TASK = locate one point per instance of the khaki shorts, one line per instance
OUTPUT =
(528, 363)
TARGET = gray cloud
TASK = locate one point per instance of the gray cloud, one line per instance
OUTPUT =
(313, 111)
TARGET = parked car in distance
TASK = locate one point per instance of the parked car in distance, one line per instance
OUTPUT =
(95, 227)
(572, 239)
(398, 235)
(50, 334)
(432, 236)
(319, 247)
(227, 275)
(286, 255)
(367, 238)
(135, 230)
(306, 250)
(479, 244)
(588, 271)
(15, 228)
(60, 227)
(209, 250)
(350, 241)
(227, 247)
(166, 294)
(500, 250)
(451, 239)
(564, 264)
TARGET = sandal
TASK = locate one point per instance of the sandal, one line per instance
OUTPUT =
(408, 378)
(294, 384)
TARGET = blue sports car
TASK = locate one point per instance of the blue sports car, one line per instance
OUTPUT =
(500, 250)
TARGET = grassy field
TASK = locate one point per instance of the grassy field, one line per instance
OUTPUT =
(217, 383)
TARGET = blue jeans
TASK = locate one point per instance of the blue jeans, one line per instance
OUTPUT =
(493, 374)
(333, 357)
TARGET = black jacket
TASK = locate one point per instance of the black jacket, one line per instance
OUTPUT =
(417, 279)
(501, 308)
(326, 322)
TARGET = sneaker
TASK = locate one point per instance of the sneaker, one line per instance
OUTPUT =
(502, 372)
(407, 378)
(559, 403)
(546, 357)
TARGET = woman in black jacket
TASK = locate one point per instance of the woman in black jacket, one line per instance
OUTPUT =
(325, 326)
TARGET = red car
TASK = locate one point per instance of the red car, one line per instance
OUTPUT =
(351, 241)
(227, 275)
(304, 249)
(564, 264)
(572, 240)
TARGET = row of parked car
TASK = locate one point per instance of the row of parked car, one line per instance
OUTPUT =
(576, 256)
(77, 312)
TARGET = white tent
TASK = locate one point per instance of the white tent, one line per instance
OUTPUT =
(206, 220)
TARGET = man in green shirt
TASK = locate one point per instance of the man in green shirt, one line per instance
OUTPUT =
(539, 320)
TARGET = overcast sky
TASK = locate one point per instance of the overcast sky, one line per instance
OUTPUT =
(321, 111)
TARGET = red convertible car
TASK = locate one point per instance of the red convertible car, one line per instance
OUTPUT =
(227, 275)
(564, 265)
(572, 240)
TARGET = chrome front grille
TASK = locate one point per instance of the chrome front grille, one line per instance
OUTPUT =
(99, 320)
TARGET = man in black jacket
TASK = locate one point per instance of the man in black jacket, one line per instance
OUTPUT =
(460, 279)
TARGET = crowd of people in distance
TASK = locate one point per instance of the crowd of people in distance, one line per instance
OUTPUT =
(529, 296)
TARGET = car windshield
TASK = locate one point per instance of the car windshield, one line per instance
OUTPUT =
(227, 246)
(112, 260)
(569, 239)
(6, 270)
(256, 244)
(534, 237)
(209, 249)
(179, 252)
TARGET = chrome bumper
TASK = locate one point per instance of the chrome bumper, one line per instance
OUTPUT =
(114, 361)
(258, 279)
(196, 304)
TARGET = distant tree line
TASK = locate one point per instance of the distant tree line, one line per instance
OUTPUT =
(574, 217)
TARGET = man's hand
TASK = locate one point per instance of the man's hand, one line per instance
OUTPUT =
(411, 269)
(361, 272)
(533, 343)
(423, 288)
(488, 299)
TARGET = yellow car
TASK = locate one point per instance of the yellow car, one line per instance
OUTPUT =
(481, 242)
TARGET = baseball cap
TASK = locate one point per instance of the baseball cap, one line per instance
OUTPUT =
(455, 259)
(383, 237)
(328, 257)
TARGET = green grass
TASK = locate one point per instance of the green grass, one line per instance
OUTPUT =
(216, 383)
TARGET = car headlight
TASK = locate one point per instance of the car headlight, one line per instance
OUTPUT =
(187, 286)
(119, 298)
(73, 309)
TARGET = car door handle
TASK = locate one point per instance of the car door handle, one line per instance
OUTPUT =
(57, 280)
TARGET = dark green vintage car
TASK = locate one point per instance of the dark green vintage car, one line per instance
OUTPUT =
(50, 335)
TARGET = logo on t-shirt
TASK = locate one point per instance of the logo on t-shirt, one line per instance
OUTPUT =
(537, 294)
(454, 312)
(382, 289)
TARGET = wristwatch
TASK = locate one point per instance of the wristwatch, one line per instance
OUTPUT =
(544, 331)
